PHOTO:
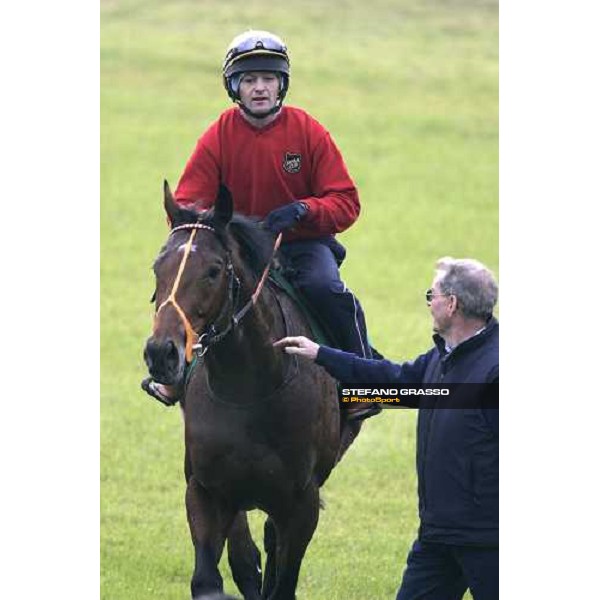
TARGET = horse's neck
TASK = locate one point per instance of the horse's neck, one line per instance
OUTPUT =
(245, 362)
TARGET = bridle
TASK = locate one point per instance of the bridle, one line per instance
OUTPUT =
(195, 342)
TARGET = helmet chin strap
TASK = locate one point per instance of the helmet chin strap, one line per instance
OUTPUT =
(259, 115)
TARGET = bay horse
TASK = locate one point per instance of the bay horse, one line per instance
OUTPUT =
(262, 429)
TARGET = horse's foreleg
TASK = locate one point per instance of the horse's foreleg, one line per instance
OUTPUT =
(294, 532)
(244, 558)
(208, 522)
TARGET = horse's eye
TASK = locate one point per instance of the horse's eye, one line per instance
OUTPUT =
(153, 299)
(213, 272)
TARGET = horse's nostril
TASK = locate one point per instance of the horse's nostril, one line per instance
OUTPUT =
(148, 353)
(172, 354)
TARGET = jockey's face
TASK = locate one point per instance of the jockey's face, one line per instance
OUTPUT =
(259, 91)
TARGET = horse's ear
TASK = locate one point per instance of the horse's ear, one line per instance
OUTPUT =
(170, 205)
(223, 207)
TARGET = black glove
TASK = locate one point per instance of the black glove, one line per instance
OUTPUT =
(285, 217)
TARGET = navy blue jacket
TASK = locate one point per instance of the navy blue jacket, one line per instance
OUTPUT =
(457, 449)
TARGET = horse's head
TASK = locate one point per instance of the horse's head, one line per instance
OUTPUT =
(208, 276)
(194, 275)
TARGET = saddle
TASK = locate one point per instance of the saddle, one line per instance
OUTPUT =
(322, 335)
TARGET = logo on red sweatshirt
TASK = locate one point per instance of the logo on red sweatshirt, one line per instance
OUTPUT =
(292, 162)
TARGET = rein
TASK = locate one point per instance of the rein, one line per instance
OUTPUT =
(200, 343)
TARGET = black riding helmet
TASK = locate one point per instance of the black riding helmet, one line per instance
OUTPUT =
(256, 51)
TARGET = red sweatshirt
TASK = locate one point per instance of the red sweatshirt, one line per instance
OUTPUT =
(292, 158)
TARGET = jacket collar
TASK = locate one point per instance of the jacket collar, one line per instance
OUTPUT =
(470, 343)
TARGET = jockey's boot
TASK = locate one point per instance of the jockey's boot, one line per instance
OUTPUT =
(169, 395)
(362, 410)
(354, 343)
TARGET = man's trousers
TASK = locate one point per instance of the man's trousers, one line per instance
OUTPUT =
(444, 572)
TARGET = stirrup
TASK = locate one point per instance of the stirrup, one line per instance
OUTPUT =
(149, 386)
(360, 414)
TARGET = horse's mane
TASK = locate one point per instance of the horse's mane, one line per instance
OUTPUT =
(256, 242)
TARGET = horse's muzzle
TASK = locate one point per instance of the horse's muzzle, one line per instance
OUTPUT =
(165, 361)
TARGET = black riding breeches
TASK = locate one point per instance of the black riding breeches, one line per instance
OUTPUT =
(317, 277)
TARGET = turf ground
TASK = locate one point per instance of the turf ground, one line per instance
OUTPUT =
(409, 90)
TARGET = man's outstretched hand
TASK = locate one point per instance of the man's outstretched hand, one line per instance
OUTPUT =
(299, 345)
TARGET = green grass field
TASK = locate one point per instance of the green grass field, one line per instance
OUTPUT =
(409, 89)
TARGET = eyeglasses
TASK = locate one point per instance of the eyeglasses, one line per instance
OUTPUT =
(430, 295)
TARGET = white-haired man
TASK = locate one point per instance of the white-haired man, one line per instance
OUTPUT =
(457, 448)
